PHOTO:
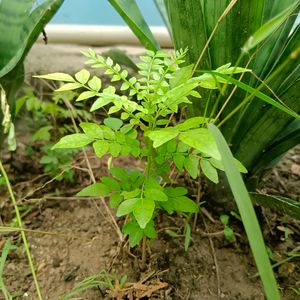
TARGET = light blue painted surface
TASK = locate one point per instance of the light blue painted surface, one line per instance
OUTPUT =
(100, 12)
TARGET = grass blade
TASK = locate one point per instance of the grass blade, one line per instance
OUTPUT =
(248, 216)
(3, 258)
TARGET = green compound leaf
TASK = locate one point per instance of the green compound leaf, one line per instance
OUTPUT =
(127, 206)
(57, 77)
(115, 199)
(159, 137)
(100, 102)
(184, 204)
(155, 195)
(91, 129)
(111, 183)
(69, 87)
(134, 232)
(150, 231)
(175, 192)
(86, 95)
(202, 140)
(191, 164)
(82, 76)
(95, 84)
(76, 140)
(209, 170)
(191, 123)
(143, 211)
(101, 148)
(94, 190)
(113, 123)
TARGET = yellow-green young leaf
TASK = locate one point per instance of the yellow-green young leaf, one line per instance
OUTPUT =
(219, 165)
(113, 109)
(209, 170)
(126, 207)
(101, 148)
(76, 140)
(57, 76)
(95, 83)
(69, 87)
(159, 137)
(86, 95)
(181, 75)
(184, 204)
(100, 102)
(83, 76)
(191, 123)
(202, 140)
(94, 190)
(191, 164)
(155, 195)
(143, 211)
(91, 129)
(115, 149)
(111, 183)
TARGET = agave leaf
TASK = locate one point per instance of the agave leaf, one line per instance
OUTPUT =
(278, 203)
(24, 21)
(268, 28)
(131, 14)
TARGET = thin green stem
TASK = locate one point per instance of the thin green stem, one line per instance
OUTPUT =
(20, 224)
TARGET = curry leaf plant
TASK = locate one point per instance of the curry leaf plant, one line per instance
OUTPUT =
(139, 122)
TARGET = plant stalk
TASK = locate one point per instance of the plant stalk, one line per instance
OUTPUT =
(20, 224)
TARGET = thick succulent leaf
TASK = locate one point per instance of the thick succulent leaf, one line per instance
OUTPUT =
(24, 21)
(131, 14)
(278, 203)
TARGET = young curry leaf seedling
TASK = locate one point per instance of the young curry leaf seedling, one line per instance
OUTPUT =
(139, 124)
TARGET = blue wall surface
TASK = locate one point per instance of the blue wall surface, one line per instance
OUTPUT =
(100, 12)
